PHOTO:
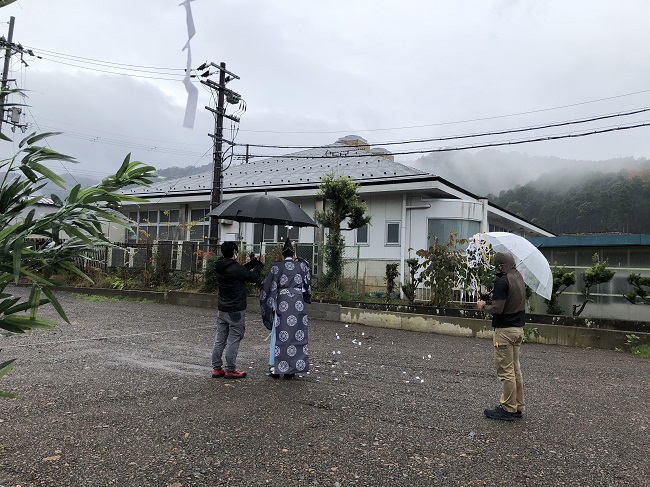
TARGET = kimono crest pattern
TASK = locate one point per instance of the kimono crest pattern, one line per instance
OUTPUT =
(282, 304)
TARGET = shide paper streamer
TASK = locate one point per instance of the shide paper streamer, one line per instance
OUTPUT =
(192, 91)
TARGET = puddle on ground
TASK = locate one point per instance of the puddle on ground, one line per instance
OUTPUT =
(166, 365)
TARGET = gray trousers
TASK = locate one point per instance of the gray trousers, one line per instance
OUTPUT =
(230, 331)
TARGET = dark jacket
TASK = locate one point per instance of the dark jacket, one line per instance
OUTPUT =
(232, 278)
(507, 304)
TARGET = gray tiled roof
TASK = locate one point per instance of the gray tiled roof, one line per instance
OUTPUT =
(304, 168)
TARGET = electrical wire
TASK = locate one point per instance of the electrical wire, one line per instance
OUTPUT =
(184, 174)
(137, 70)
(115, 134)
(440, 124)
(458, 148)
(180, 78)
(122, 143)
(469, 136)
(108, 63)
(146, 69)
(48, 144)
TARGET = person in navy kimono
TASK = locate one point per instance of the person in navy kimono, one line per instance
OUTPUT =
(284, 313)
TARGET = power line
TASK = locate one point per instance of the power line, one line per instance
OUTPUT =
(137, 70)
(98, 61)
(466, 136)
(154, 148)
(184, 174)
(181, 71)
(116, 134)
(180, 78)
(118, 143)
(466, 147)
(48, 144)
(440, 124)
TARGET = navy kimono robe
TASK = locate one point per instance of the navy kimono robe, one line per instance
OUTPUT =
(282, 305)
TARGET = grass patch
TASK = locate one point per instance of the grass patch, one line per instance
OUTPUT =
(91, 298)
(641, 350)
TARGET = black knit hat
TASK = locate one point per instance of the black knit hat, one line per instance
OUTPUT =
(288, 250)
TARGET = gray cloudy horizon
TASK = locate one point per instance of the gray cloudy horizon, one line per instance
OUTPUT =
(314, 72)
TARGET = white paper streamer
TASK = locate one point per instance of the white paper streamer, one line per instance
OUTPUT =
(192, 91)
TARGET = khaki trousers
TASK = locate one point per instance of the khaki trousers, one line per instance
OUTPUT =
(507, 349)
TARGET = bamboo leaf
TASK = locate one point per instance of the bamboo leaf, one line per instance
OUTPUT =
(49, 174)
(120, 172)
(25, 306)
(33, 138)
(74, 193)
(55, 302)
(8, 303)
(34, 298)
(27, 323)
(17, 249)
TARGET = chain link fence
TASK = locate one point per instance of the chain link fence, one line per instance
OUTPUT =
(165, 257)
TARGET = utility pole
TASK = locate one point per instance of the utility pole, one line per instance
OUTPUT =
(12, 111)
(223, 95)
(5, 70)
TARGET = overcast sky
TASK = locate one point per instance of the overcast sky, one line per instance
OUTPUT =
(313, 71)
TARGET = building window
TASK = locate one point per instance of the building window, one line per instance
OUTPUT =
(199, 232)
(199, 224)
(273, 233)
(293, 233)
(362, 235)
(151, 225)
(439, 229)
(392, 233)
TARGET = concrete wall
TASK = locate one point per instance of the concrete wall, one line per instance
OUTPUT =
(469, 327)
(461, 326)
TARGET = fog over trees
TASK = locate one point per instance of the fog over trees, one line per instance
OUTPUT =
(560, 195)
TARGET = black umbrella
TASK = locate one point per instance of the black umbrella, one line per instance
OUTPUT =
(265, 209)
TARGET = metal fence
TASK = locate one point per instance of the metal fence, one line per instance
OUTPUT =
(359, 276)
(314, 254)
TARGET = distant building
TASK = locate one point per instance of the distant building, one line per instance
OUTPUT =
(625, 254)
(409, 208)
(43, 207)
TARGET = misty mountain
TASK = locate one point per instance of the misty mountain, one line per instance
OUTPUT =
(596, 203)
(492, 171)
(181, 172)
(71, 181)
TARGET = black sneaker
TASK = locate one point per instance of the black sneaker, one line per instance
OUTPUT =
(499, 413)
(289, 376)
(518, 414)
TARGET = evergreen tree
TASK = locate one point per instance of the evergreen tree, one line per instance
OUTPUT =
(341, 203)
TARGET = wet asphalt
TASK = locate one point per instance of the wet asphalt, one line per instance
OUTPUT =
(123, 396)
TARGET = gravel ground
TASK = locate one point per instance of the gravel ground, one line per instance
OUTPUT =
(123, 396)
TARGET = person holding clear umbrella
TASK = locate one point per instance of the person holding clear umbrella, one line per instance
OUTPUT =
(507, 305)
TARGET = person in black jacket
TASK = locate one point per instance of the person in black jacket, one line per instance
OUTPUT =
(231, 314)
(507, 305)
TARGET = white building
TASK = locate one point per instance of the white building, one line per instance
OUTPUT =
(409, 208)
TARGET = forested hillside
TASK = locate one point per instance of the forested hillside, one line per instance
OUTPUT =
(182, 172)
(598, 202)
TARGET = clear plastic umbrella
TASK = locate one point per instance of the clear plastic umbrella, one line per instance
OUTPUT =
(530, 262)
